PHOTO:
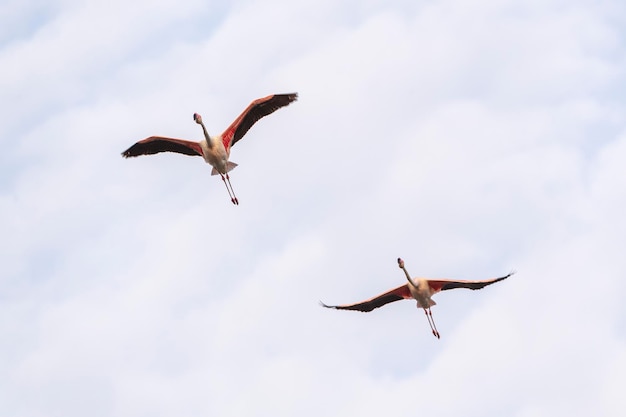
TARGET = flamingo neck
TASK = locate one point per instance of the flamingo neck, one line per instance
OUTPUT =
(408, 277)
(209, 139)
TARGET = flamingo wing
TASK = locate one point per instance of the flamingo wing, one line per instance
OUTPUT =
(396, 294)
(442, 285)
(258, 109)
(156, 144)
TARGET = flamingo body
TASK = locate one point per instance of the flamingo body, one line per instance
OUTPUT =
(216, 155)
(419, 289)
(215, 150)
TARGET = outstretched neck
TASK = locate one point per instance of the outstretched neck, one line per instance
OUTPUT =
(209, 139)
(408, 277)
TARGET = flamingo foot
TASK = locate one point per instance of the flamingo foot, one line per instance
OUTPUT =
(235, 201)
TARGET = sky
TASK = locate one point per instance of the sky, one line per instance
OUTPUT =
(469, 138)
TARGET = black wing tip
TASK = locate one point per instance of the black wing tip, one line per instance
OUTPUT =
(131, 152)
(291, 97)
(513, 272)
(503, 278)
(356, 307)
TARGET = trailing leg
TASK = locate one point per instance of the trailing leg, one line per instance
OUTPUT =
(230, 194)
(435, 331)
(234, 198)
(431, 322)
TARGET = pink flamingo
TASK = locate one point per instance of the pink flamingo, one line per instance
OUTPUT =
(420, 289)
(215, 149)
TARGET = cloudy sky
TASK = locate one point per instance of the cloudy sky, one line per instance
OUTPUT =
(468, 139)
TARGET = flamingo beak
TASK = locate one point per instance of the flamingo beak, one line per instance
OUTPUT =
(197, 118)
(400, 263)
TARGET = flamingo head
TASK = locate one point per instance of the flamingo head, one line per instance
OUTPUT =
(400, 263)
(197, 118)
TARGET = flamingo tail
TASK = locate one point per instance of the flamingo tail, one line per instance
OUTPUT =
(229, 167)
(431, 303)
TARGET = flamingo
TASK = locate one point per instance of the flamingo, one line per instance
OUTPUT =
(215, 149)
(420, 289)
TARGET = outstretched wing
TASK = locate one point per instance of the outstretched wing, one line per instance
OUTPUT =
(258, 109)
(396, 294)
(442, 285)
(156, 144)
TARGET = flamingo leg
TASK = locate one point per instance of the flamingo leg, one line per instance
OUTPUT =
(234, 198)
(231, 194)
(430, 313)
(431, 322)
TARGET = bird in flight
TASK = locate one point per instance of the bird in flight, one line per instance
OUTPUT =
(215, 149)
(419, 289)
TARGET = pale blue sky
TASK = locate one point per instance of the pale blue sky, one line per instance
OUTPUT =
(468, 139)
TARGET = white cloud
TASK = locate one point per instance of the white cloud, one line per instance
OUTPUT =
(467, 139)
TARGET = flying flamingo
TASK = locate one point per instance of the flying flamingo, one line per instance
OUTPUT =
(215, 149)
(420, 289)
